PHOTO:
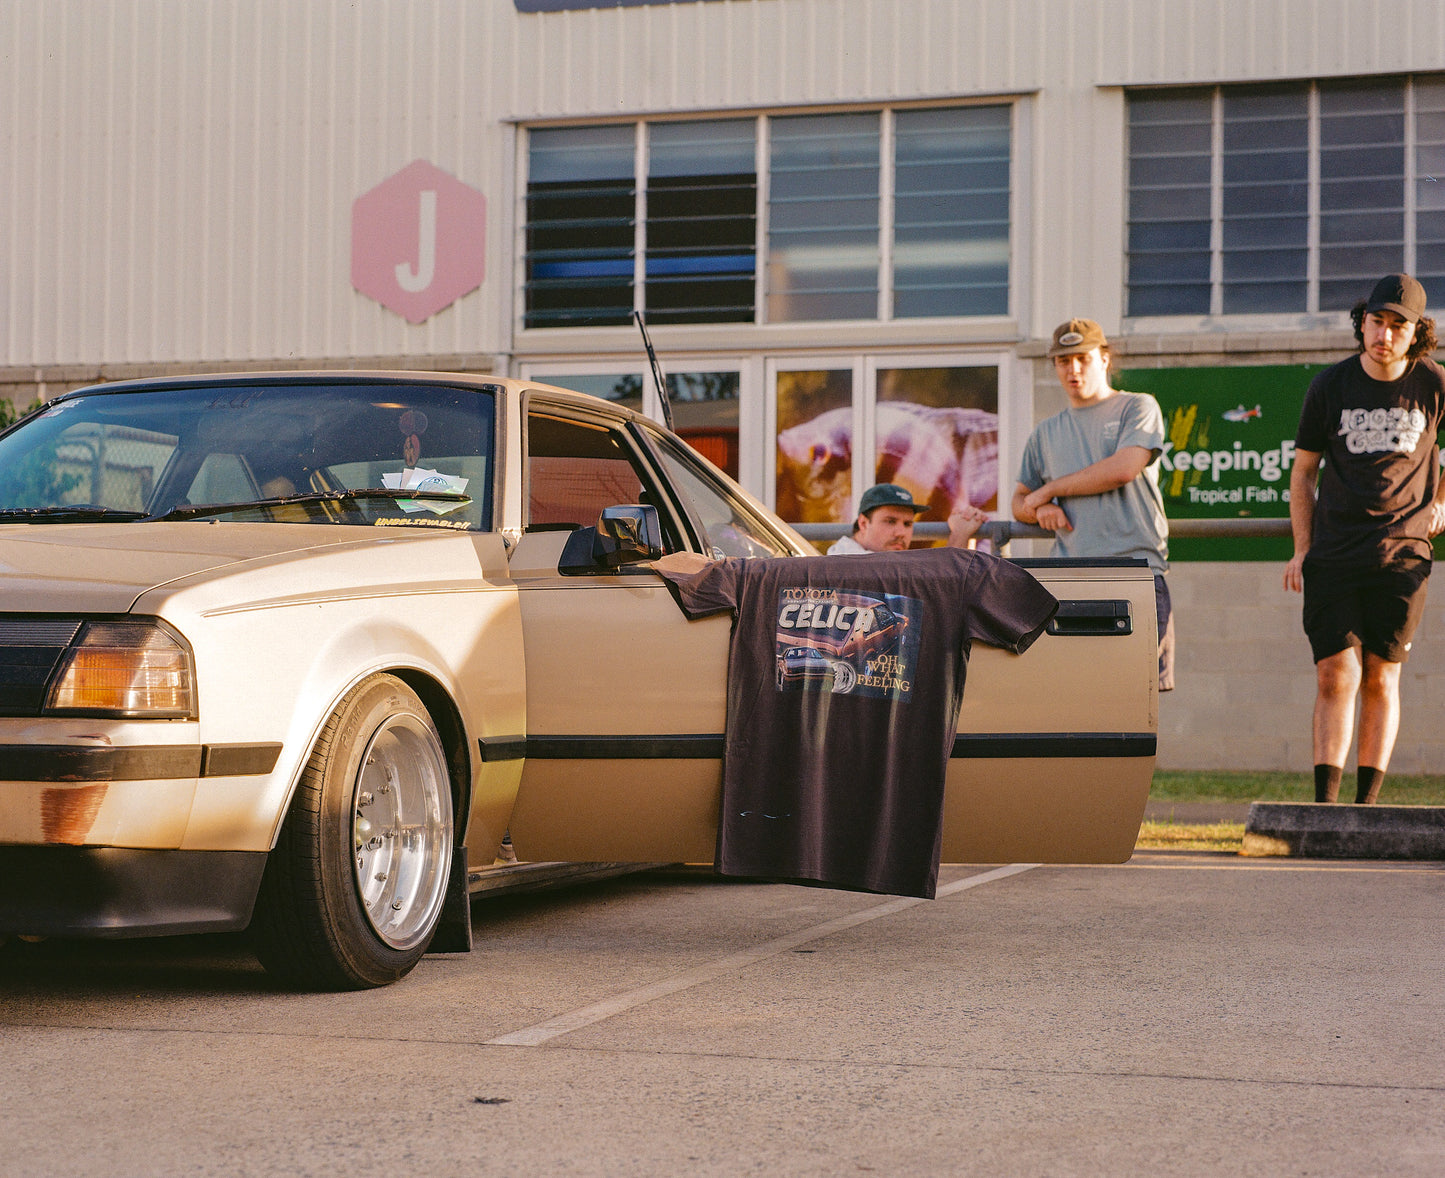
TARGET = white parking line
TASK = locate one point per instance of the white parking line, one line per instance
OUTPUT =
(585, 1016)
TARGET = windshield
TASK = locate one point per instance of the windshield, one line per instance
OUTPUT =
(293, 453)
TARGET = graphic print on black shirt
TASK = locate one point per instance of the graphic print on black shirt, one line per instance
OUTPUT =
(849, 643)
(828, 778)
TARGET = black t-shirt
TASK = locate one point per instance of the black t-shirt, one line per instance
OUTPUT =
(1381, 463)
(845, 677)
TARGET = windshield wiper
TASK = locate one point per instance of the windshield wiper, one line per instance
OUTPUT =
(191, 510)
(68, 513)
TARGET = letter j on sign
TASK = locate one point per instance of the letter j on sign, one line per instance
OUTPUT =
(418, 241)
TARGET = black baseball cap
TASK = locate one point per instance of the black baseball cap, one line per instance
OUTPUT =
(1398, 293)
(888, 495)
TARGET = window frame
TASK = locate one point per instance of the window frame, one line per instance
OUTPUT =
(661, 445)
(885, 316)
(677, 526)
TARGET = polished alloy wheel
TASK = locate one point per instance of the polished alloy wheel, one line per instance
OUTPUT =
(401, 830)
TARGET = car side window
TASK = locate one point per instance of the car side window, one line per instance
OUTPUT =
(577, 468)
(730, 529)
(574, 470)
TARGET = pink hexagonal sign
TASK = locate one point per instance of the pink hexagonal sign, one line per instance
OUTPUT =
(418, 241)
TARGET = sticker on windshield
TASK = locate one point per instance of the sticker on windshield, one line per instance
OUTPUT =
(848, 643)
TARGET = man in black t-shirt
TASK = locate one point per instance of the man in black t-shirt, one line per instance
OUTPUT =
(1362, 553)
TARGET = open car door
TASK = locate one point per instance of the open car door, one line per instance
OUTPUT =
(626, 699)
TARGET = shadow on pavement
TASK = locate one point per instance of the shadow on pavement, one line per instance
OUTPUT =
(211, 964)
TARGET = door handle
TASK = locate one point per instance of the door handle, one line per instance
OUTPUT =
(1106, 618)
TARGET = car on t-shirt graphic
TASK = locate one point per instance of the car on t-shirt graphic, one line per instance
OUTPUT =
(804, 667)
(884, 635)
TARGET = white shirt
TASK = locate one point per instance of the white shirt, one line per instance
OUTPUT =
(847, 546)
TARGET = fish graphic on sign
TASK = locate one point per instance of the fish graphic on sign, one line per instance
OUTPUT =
(1240, 414)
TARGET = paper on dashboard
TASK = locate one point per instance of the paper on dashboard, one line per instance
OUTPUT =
(416, 478)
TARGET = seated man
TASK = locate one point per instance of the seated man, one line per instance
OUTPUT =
(886, 515)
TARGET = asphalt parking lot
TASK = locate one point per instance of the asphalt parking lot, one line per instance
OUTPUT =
(1181, 1014)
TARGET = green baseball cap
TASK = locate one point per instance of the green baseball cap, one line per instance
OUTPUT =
(888, 495)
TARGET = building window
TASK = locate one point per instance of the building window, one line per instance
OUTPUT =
(1264, 236)
(823, 218)
(951, 211)
(1283, 199)
(873, 215)
(580, 226)
(702, 196)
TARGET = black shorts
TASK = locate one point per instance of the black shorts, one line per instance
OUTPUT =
(1376, 608)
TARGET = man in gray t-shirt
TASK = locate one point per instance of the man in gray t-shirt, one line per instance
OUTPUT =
(1089, 473)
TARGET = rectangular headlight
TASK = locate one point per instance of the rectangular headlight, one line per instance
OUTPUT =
(125, 669)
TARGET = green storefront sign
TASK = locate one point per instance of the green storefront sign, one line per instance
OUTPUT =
(1229, 445)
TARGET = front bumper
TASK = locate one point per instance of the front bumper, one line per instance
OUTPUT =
(113, 892)
(121, 794)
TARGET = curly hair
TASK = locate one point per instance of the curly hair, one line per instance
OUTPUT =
(1423, 344)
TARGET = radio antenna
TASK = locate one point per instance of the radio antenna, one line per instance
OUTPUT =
(657, 380)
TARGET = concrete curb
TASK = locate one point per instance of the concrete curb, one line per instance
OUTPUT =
(1339, 831)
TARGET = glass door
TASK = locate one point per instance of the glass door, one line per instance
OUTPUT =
(930, 423)
(934, 430)
(815, 418)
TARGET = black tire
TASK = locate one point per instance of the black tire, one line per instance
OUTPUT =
(355, 885)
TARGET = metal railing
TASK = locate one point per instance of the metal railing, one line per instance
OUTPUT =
(1001, 531)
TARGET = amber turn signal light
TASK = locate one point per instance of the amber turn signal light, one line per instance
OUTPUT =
(130, 669)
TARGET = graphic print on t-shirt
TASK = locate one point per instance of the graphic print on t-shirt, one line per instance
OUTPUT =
(1395, 430)
(847, 642)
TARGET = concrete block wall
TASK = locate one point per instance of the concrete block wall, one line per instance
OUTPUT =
(1245, 684)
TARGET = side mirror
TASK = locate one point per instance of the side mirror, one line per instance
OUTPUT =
(625, 534)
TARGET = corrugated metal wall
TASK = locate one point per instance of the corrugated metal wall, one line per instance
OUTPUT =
(178, 174)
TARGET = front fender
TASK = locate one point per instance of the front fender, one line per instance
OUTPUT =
(277, 672)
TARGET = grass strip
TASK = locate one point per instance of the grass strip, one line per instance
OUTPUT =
(1218, 785)
(1175, 836)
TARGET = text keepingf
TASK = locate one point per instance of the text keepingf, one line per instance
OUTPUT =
(1271, 464)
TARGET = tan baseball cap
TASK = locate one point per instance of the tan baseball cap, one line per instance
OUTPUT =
(1076, 337)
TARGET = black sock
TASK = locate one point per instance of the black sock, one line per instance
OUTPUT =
(1327, 782)
(1368, 789)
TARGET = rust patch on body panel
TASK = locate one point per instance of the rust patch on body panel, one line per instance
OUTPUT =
(68, 812)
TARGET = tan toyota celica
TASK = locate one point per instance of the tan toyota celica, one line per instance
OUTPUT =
(294, 652)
